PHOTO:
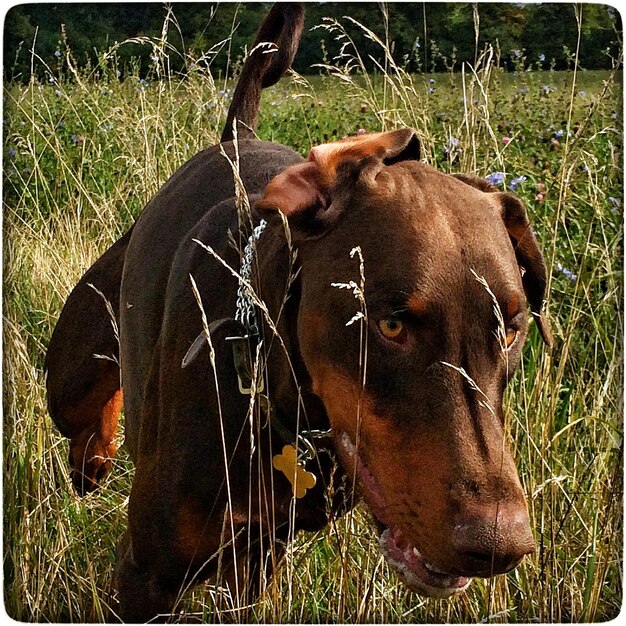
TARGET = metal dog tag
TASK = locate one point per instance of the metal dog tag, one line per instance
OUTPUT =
(287, 462)
(242, 359)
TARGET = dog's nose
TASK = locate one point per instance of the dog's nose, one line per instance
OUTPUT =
(493, 543)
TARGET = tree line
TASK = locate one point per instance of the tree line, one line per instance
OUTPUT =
(425, 36)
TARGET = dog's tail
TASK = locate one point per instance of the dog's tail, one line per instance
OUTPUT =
(265, 65)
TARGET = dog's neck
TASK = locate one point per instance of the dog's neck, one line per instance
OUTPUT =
(289, 382)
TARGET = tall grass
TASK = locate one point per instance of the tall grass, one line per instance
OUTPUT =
(83, 153)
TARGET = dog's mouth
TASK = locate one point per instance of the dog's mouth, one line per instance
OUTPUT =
(414, 570)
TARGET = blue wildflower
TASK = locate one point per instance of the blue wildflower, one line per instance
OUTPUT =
(74, 138)
(431, 81)
(545, 89)
(154, 58)
(523, 89)
(453, 142)
(558, 133)
(497, 178)
(417, 45)
(11, 152)
(542, 57)
(57, 54)
(573, 277)
(516, 181)
(517, 52)
(582, 94)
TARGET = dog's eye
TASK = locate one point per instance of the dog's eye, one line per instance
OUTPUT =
(511, 336)
(392, 328)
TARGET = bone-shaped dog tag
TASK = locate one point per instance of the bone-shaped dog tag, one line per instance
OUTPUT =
(287, 463)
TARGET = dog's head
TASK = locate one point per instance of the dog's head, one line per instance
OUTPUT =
(413, 388)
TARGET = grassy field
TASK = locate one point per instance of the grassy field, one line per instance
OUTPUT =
(82, 155)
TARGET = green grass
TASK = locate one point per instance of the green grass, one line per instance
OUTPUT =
(83, 154)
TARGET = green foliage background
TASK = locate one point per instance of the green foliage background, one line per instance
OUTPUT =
(546, 29)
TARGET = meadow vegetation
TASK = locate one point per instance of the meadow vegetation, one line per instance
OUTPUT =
(83, 152)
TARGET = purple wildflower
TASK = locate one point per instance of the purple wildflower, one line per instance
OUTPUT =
(516, 181)
(453, 143)
(573, 277)
(497, 178)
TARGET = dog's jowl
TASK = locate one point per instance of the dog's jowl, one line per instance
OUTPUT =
(252, 377)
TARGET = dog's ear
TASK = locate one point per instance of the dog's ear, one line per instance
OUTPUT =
(526, 249)
(303, 193)
(386, 148)
(528, 257)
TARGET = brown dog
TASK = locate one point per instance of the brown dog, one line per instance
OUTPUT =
(409, 375)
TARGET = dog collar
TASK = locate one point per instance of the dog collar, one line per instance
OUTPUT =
(298, 449)
(245, 312)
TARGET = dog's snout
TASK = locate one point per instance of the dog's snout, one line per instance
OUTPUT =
(494, 542)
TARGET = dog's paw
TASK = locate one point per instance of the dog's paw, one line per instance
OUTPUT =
(90, 461)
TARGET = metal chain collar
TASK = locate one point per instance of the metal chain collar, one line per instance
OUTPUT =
(246, 315)
(245, 306)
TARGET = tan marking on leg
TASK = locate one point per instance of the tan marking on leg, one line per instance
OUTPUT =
(93, 449)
